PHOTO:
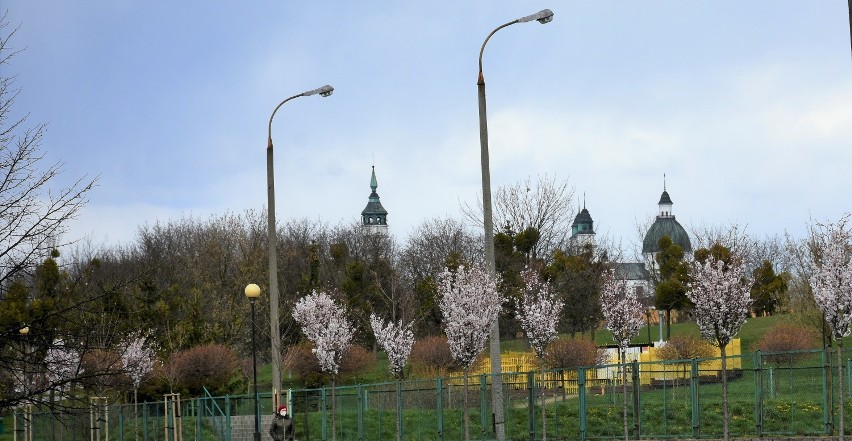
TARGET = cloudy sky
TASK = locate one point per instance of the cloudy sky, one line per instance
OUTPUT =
(745, 106)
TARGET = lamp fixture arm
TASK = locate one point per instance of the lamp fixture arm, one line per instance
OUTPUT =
(269, 139)
(482, 50)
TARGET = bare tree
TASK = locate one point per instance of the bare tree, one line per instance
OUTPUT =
(33, 214)
(546, 205)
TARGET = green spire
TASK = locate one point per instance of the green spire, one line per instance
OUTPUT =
(373, 183)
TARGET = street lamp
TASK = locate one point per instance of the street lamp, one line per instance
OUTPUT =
(543, 16)
(272, 238)
(253, 292)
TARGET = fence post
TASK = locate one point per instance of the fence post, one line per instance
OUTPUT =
(757, 361)
(531, 403)
(827, 401)
(324, 414)
(228, 415)
(483, 406)
(360, 391)
(636, 386)
(439, 407)
(696, 407)
(581, 395)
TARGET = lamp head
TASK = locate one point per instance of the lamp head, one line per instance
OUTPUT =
(547, 16)
(322, 91)
(25, 330)
(252, 291)
(543, 16)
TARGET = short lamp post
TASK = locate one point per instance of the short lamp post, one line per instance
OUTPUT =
(253, 292)
(648, 313)
(24, 332)
(543, 16)
(272, 243)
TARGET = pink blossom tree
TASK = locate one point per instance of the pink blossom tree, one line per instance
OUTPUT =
(831, 283)
(138, 361)
(397, 340)
(721, 293)
(324, 323)
(469, 303)
(63, 365)
(538, 311)
(624, 317)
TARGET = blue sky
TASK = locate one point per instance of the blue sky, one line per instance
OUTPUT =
(745, 106)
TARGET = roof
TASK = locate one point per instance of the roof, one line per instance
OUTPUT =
(583, 217)
(665, 199)
(631, 271)
(665, 226)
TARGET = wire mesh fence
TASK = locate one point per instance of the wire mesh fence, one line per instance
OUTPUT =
(769, 394)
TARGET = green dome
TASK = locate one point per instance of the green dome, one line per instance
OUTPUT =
(665, 226)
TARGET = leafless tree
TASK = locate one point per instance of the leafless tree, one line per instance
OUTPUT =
(546, 205)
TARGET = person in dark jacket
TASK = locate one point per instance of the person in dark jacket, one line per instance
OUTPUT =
(282, 426)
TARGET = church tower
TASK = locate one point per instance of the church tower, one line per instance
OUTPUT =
(582, 230)
(665, 225)
(374, 217)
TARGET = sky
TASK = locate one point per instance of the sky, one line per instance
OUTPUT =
(746, 107)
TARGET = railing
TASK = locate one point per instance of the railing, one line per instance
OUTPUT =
(770, 394)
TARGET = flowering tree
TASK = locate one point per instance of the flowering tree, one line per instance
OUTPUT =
(138, 360)
(469, 303)
(63, 364)
(831, 283)
(722, 296)
(623, 314)
(326, 326)
(538, 311)
(396, 339)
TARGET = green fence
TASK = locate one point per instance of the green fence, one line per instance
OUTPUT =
(778, 394)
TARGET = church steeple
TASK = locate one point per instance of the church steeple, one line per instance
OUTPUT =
(374, 216)
(582, 230)
(665, 204)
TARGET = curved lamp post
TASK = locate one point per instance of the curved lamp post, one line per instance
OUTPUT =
(253, 292)
(272, 237)
(543, 16)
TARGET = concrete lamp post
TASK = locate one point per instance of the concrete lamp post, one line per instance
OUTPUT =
(543, 16)
(272, 238)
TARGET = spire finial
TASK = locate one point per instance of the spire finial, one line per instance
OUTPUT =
(664, 182)
(584, 200)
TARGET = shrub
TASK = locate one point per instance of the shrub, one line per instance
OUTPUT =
(109, 369)
(570, 353)
(302, 361)
(431, 357)
(782, 338)
(685, 347)
(213, 366)
(357, 361)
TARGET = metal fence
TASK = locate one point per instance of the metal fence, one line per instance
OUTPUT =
(777, 394)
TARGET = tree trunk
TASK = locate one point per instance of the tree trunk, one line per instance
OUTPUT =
(623, 352)
(668, 324)
(725, 415)
(333, 410)
(464, 408)
(136, 413)
(398, 409)
(840, 383)
(543, 411)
